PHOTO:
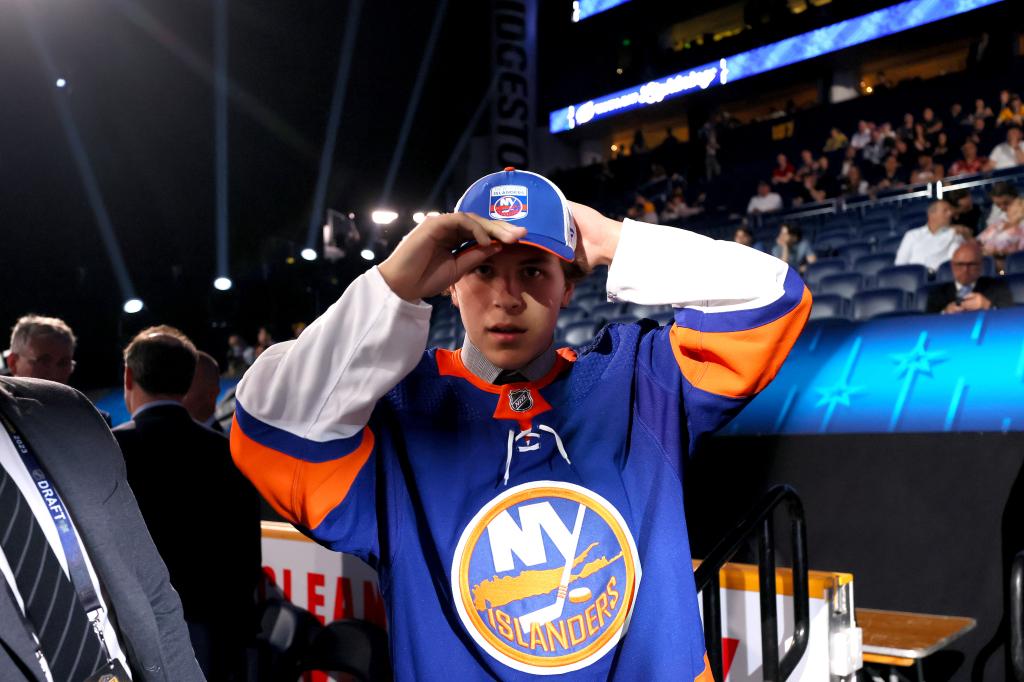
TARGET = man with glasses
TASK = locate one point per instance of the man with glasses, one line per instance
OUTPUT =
(968, 291)
(42, 348)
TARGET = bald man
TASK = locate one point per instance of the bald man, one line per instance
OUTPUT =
(201, 399)
(968, 291)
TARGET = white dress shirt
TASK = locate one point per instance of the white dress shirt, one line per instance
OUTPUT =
(921, 246)
(1003, 157)
(11, 461)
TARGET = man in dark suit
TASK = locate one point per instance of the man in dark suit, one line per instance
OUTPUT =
(969, 291)
(204, 516)
(61, 446)
(201, 399)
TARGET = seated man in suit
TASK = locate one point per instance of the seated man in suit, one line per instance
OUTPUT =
(68, 513)
(201, 399)
(968, 291)
(204, 516)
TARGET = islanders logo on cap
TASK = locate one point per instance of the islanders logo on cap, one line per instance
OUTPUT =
(545, 577)
(509, 202)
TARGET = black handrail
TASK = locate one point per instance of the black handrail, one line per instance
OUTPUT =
(759, 520)
(1017, 616)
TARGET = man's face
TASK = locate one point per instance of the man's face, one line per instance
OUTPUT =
(762, 189)
(45, 357)
(510, 303)
(941, 214)
(966, 266)
(1013, 136)
(1002, 201)
(970, 151)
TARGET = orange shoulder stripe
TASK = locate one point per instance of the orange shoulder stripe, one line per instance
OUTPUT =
(302, 492)
(705, 676)
(738, 364)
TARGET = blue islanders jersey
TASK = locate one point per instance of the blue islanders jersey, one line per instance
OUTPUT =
(532, 528)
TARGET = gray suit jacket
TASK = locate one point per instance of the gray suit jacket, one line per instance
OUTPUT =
(77, 449)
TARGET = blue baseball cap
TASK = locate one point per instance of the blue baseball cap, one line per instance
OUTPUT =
(528, 200)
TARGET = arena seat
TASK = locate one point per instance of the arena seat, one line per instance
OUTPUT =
(1016, 284)
(1015, 263)
(640, 311)
(607, 310)
(587, 301)
(851, 251)
(844, 284)
(578, 333)
(906, 277)
(572, 314)
(890, 243)
(921, 296)
(870, 265)
(877, 234)
(944, 273)
(877, 302)
(830, 307)
(823, 267)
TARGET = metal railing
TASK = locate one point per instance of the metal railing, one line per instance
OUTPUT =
(759, 520)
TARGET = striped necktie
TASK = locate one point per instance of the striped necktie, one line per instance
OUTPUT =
(66, 637)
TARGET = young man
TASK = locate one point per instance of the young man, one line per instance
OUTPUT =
(522, 503)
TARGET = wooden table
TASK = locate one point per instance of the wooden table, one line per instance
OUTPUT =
(900, 639)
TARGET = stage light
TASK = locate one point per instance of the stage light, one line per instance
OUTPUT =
(615, 147)
(418, 217)
(222, 283)
(431, 214)
(132, 306)
(367, 254)
(383, 217)
(308, 253)
(61, 83)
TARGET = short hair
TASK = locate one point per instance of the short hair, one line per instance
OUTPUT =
(1003, 189)
(162, 360)
(32, 326)
(793, 229)
(935, 204)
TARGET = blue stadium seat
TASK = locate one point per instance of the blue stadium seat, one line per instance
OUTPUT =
(877, 234)
(823, 267)
(844, 284)
(878, 302)
(830, 307)
(906, 277)
(870, 265)
(876, 221)
(890, 243)
(442, 330)
(825, 246)
(945, 271)
(1016, 284)
(607, 311)
(578, 333)
(1015, 263)
(572, 314)
(921, 297)
(588, 300)
(641, 311)
(854, 250)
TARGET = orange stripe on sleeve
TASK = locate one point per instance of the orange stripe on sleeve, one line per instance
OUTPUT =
(705, 676)
(302, 492)
(738, 364)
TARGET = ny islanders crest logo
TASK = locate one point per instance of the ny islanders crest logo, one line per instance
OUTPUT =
(545, 577)
(509, 202)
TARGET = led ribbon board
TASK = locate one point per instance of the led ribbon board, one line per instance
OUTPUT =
(588, 8)
(822, 41)
(924, 373)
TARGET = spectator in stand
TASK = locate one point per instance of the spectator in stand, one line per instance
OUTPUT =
(981, 134)
(926, 171)
(201, 399)
(1002, 195)
(744, 236)
(827, 181)
(263, 341)
(932, 244)
(765, 201)
(971, 162)
(956, 115)
(862, 137)
(906, 155)
(906, 131)
(791, 247)
(882, 83)
(1010, 153)
(783, 173)
(808, 166)
(42, 348)
(1005, 237)
(849, 160)
(1011, 113)
(922, 144)
(709, 135)
(941, 153)
(809, 192)
(836, 141)
(965, 211)
(893, 176)
(240, 355)
(644, 209)
(639, 143)
(853, 182)
(877, 149)
(932, 123)
(981, 112)
(968, 291)
(677, 209)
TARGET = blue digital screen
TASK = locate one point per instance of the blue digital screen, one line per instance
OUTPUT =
(588, 8)
(839, 36)
(928, 373)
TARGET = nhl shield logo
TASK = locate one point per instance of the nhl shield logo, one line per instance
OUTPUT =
(545, 577)
(520, 400)
(509, 202)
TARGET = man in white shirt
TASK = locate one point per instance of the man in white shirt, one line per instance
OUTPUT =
(1002, 195)
(1008, 154)
(934, 243)
(765, 201)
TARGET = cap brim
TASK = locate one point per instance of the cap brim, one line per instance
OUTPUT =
(539, 241)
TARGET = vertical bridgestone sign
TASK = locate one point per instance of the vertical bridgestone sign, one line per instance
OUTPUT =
(514, 61)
